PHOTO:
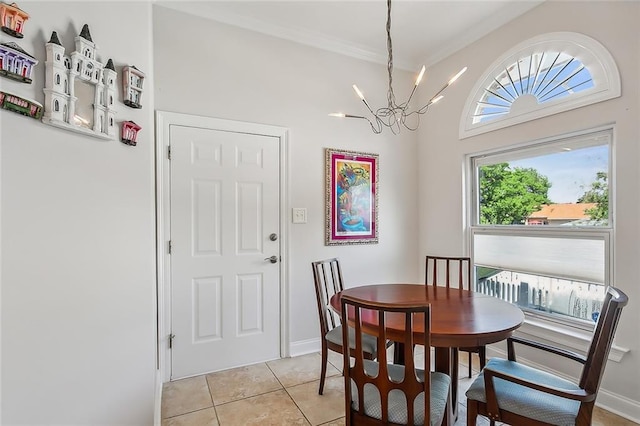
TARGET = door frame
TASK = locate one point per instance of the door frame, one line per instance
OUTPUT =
(164, 121)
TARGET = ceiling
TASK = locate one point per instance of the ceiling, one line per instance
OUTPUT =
(422, 31)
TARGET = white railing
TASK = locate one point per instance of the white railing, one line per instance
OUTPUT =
(571, 298)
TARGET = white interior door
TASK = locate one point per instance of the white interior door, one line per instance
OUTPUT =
(224, 220)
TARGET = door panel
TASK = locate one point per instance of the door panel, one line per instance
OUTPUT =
(225, 295)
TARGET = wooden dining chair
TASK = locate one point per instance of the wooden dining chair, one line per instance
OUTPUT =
(380, 393)
(327, 276)
(529, 396)
(453, 272)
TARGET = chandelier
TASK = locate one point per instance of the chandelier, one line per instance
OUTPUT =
(394, 115)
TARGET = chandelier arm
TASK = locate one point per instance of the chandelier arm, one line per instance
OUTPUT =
(439, 92)
(376, 129)
(417, 114)
(411, 95)
(424, 109)
(368, 106)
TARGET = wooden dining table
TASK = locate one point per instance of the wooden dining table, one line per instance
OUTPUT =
(459, 318)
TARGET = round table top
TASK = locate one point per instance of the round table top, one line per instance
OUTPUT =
(459, 318)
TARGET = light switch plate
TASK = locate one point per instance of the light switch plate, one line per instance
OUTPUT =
(299, 215)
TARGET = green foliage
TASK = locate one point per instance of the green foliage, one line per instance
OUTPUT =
(508, 196)
(599, 193)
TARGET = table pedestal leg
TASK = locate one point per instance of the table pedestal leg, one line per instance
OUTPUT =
(398, 353)
(444, 363)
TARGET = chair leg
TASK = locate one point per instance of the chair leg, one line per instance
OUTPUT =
(455, 363)
(472, 412)
(323, 369)
(470, 361)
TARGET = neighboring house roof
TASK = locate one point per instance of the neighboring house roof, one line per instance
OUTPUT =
(565, 211)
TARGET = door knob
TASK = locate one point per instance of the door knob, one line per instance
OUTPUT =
(272, 259)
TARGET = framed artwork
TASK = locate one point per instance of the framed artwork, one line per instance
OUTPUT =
(351, 197)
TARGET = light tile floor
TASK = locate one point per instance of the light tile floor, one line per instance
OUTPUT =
(285, 392)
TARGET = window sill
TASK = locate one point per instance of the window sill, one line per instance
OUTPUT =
(570, 337)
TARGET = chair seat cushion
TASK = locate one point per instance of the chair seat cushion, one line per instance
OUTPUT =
(369, 342)
(525, 401)
(440, 384)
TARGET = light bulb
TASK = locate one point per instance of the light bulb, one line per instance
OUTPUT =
(358, 92)
(420, 75)
(337, 114)
(455, 77)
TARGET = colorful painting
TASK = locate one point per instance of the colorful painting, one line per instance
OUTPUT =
(351, 197)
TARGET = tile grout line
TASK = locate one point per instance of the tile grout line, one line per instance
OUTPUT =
(212, 401)
(288, 394)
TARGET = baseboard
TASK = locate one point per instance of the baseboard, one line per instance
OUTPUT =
(157, 405)
(607, 400)
(619, 404)
(303, 347)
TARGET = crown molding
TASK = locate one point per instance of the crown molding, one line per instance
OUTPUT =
(294, 34)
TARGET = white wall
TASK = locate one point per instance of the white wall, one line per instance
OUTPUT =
(441, 156)
(241, 75)
(78, 272)
(77, 230)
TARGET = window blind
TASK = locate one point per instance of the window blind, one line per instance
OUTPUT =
(580, 259)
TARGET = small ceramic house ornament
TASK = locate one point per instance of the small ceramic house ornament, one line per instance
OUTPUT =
(63, 107)
(132, 79)
(130, 132)
(20, 105)
(15, 63)
(12, 19)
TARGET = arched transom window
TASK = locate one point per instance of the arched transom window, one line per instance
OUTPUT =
(545, 75)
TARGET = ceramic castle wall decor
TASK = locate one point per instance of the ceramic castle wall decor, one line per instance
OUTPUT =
(20, 105)
(130, 132)
(132, 80)
(15, 63)
(79, 73)
(12, 19)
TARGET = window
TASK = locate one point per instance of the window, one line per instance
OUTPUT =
(541, 225)
(536, 79)
(544, 75)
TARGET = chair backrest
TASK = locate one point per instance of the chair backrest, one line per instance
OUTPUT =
(360, 311)
(598, 353)
(327, 276)
(448, 271)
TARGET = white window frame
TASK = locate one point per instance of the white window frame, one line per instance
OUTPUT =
(570, 332)
(592, 54)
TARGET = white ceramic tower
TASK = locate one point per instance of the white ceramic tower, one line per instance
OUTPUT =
(56, 96)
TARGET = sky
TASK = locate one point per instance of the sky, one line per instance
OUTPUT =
(570, 172)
